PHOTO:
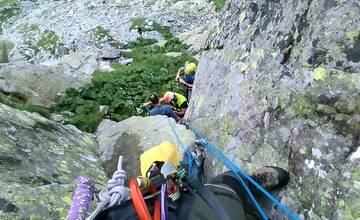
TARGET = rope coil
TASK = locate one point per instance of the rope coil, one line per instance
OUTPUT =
(115, 193)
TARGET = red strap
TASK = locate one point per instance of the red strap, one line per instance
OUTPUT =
(138, 201)
(157, 210)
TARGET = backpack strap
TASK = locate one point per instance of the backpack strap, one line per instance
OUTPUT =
(209, 198)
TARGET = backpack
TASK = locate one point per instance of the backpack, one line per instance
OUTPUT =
(213, 201)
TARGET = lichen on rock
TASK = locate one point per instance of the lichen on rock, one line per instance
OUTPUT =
(40, 161)
(300, 115)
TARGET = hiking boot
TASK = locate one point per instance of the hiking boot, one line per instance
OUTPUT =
(271, 177)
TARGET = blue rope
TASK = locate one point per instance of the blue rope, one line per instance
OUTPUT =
(191, 159)
(236, 170)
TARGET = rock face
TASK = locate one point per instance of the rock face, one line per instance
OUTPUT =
(40, 84)
(303, 115)
(197, 37)
(39, 162)
(133, 136)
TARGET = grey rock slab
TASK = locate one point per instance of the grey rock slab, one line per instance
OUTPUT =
(40, 161)
(126, 61)
(103, 109)
(110, 53)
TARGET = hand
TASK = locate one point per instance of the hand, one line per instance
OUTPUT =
(145, 104)
(183, 82)
(286, 50)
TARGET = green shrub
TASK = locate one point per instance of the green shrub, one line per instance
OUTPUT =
(142, 24)
(8, 9)
(219, 4)
(48, 42)
(103, 36)
(124, 89)
(141, 42)
(86, 122)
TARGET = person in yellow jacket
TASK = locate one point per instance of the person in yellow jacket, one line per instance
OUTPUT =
(178, 101)
(188, 79)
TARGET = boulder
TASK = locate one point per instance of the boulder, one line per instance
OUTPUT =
(103, 109)
(82, 64)
(173, 54)
(191, 7)
(4, 57)
(37, 84)
(105, 66)
(39, 163)
(40, 84)
(300, 115)
(110, 54)
(126, 61)
(133, 136)
(197, 37)
(57, 118)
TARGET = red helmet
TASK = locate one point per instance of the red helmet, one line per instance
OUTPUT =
(168, 97)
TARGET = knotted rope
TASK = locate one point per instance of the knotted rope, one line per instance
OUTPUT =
(115, 193)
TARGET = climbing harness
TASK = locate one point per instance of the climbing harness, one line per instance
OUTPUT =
(239, 173)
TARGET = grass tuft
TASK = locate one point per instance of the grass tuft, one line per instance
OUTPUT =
(219, 4)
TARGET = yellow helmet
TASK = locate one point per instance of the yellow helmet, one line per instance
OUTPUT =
(190, 68)
(165, 152)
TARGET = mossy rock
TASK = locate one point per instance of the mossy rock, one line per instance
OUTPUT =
(40, 161)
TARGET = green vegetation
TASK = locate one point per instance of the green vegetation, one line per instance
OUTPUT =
(48, 42)
(8, 9)
(17, 101)
(219, 4)
(149, 25)
(127, 87)
(103, 36)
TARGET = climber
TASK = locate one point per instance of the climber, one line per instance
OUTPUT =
(188, 79)
(178, 101)
(159, 109)
(184, 197)
(288, 42)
